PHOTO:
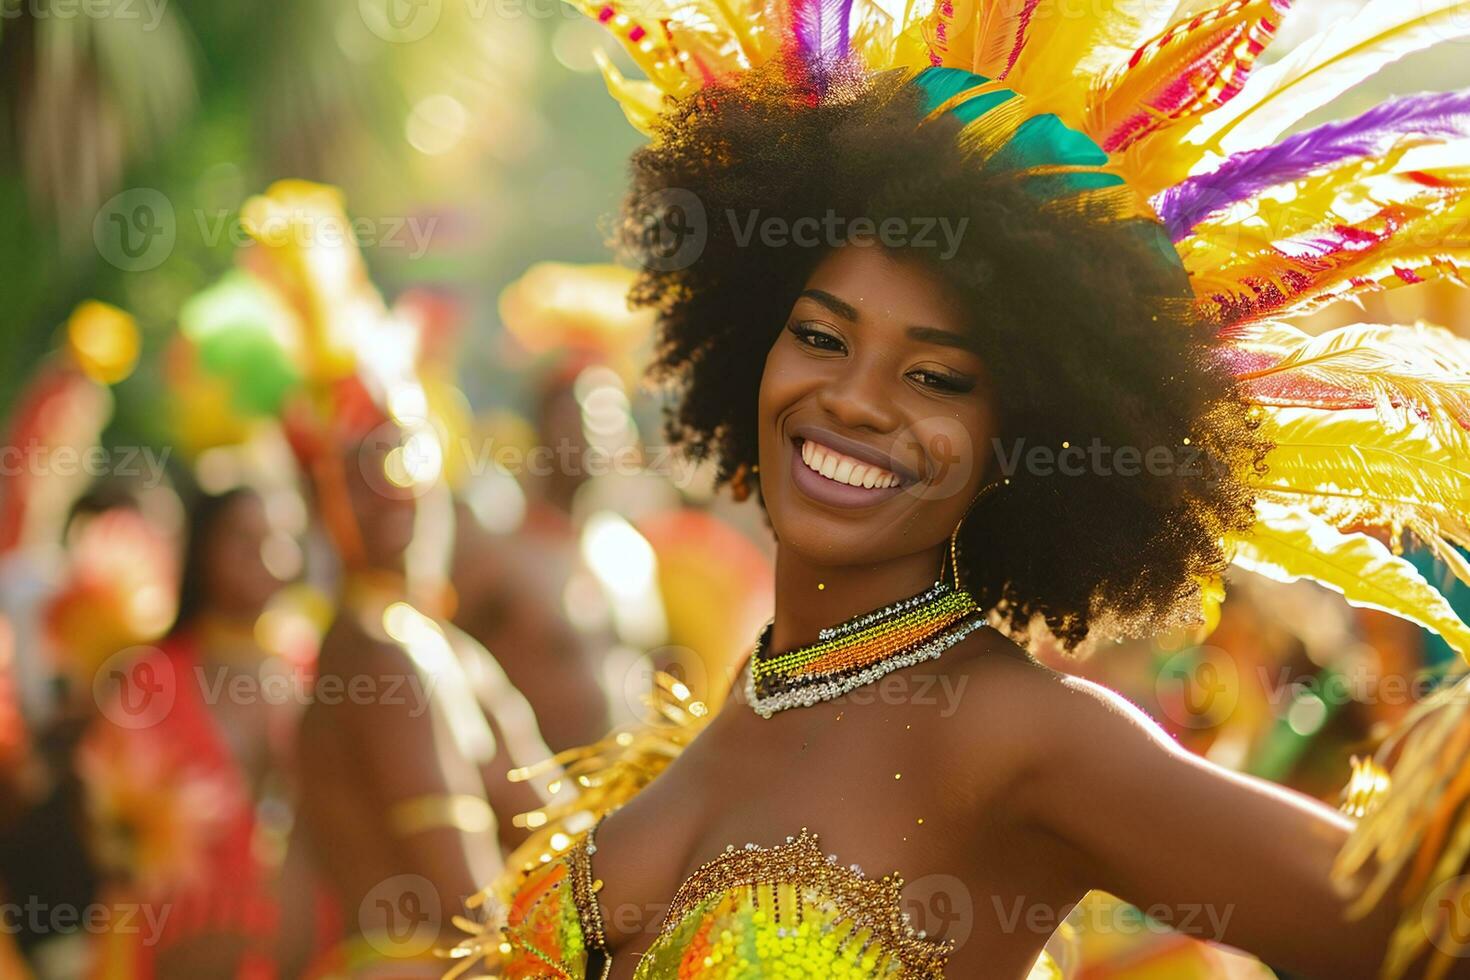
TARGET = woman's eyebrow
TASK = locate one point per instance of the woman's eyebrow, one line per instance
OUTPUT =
(927, 335)
(944, 338)
(844, 310)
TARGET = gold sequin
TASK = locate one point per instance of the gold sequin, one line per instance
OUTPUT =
(871, 905)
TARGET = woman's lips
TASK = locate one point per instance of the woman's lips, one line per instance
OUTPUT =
(848, 482)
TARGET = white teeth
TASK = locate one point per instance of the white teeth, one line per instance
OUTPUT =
(844, 469)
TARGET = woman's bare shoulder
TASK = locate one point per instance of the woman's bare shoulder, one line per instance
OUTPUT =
(1006, 683)
(989, 694)
(1016, 712)
(1019, 684)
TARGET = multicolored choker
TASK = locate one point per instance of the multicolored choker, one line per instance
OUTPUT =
(860, 650)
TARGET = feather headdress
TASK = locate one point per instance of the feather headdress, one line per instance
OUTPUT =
(1167, 101)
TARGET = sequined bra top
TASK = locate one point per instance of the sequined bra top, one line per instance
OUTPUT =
(783, 911)
(749, 914)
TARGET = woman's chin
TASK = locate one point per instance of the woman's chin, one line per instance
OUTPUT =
(823, 537)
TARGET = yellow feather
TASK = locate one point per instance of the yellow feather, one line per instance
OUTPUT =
(956, 44)
(1424, 236)
(723, 36)
(1189, 51)
(596, 779)
(1318, 71)
(1291, 543)
(1432, 746)
(975, 91)
(640, 101)
(914, 37)
(1349, 463)
(1103, 204)
(875, 33)
(746, 22)
(985, 136)
(998, 29)
(1065, 51)
(1341, 195)
(1419, 367)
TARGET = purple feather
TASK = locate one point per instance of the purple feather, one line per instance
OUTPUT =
(822, 31)
(1430, 116)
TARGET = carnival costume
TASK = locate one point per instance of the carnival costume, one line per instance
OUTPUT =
(298, 340)
(1158, 112)
(177, 805)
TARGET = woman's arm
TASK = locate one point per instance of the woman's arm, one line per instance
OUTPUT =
(1240, 860)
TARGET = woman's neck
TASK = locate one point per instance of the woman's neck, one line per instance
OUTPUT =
(811, 597)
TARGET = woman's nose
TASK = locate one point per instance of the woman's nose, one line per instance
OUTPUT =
(859, 399)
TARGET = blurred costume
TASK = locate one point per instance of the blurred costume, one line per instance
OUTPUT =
(63, 410)
(1156, 114)
(74, 590)
(392, 792)
(177, 813)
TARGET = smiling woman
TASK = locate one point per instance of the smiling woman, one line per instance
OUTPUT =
(951, 439)
(1032, 335)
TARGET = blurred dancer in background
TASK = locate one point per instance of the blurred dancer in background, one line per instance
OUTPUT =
(408, 715)
(188, 767)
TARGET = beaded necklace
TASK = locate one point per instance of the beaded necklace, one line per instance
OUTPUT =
(860, 650)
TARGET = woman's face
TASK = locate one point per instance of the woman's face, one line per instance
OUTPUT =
(235, 558)
(384, 508)
(874, 418)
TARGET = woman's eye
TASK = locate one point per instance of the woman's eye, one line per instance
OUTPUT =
(948, 383)
(818, 339)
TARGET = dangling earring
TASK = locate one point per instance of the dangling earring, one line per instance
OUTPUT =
(740, 481)
(952, 558)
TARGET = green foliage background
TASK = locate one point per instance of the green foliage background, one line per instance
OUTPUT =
(223, 98)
